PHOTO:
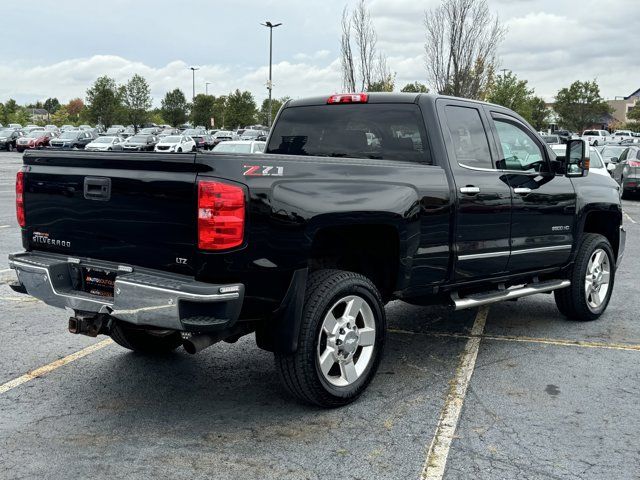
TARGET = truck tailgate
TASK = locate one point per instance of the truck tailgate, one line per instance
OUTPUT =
(130, 208)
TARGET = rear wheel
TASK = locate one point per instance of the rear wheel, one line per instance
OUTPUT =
(592, 278)
(342, 335)
(146, 341)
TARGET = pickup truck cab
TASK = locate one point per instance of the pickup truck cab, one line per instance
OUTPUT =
(595, 137)
(359, 199)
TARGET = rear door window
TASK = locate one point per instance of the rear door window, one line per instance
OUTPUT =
(468, 136)
(376, 131)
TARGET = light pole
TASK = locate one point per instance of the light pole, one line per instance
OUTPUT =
(206, 87)
(270, 26)
(193, 71)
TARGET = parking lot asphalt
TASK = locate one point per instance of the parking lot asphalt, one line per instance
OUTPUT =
(545, 397)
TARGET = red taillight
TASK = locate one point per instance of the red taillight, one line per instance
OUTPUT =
(348, 98)
(220, 215)
(634, 164)
(20, 199)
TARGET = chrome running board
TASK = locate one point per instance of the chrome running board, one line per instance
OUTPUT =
(485, 298)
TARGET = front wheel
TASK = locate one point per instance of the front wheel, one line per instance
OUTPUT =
(146, 341)
(595, 144)
(592, 277)
(342, 334)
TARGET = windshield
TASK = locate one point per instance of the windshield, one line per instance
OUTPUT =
(377, 131)
(6, 132)
(222, 133)
(171, 139)
(68, 135)
(113, 130)
(251, 133)
(148, 131)
(104, 140)
(138, 139)
(227, 147)
(192, 131)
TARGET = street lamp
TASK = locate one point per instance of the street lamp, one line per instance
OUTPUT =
(270, 26)
(206, 87)
(193, 71)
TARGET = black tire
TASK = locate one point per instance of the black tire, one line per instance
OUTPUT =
(145, 341)
(595, 144)
(300, 372)
(572, 301)
(179, 150)
(9, 147)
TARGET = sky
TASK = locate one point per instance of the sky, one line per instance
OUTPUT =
(64, 45)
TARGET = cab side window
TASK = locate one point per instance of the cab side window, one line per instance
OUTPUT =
(468, 136)
(518, 150)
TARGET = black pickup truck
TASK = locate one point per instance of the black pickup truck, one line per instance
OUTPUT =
(359, 199)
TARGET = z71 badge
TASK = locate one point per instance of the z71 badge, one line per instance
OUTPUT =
(262, 171)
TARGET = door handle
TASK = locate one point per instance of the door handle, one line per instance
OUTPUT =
(522, 190)
(470, 190)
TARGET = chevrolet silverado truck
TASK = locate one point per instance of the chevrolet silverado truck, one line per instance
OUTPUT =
(359, 199)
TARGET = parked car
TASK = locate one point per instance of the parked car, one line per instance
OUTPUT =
(620, 135)
(150, 131)
(252, 134)
(596, 165)
(31, 128)
(52, 128)
(551, 139)
(595, 137)
(85, 127)
(203, 141)
(176, 144)
(240, 146)
(611, 153)
(115, 130)
(66, 127)
(34, 139)
(169, 131)
(223, 136)
(9, 137)
(15, 125)
(105, 144)
(565, 135)
(72, 139)
(627, 171)
(129, 131)
(140, 142)
(303, 246)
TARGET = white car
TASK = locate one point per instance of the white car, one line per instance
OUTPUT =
(176, 144)
(596, 163)
(240, 146)
(105, 144)
(595, 137)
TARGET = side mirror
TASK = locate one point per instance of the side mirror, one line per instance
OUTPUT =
(577, 158)
(613, 159)
(611, 167)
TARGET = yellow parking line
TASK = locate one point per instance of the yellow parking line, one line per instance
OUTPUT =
(629, 217)
(38, 372)
(438, 452)
(513, 338)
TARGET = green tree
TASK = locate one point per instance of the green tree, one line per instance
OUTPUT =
(219, 111)
(580, 105)
(384, 84)
(155, 116)
(203, 109)
(174, 107)
(61, 116)
(51, 105)
(136, 100)
(634, 113)
(415, 87)
(21, 116)
(240, 110)
(538, 113)
(513, 93)
(104, 101)
(11, 106)
(3, 114)
(276, 104)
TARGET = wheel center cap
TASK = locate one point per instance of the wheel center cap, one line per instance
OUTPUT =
(350, 342)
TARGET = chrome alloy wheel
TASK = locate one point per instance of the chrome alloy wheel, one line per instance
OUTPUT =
(346, 341)
(596, 282)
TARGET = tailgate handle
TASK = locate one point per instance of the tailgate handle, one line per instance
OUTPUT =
(97, 188)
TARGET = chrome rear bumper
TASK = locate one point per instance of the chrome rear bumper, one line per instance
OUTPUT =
(140, 296)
